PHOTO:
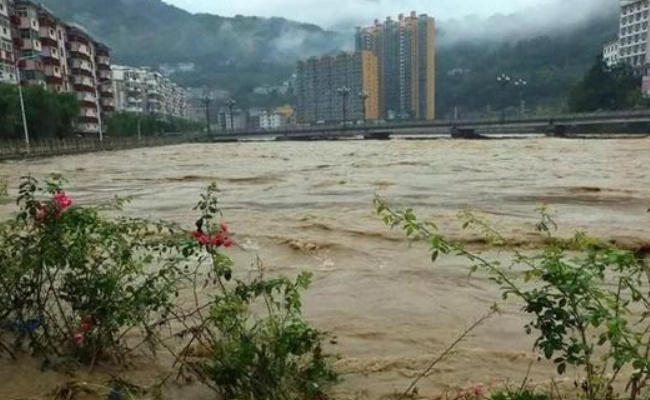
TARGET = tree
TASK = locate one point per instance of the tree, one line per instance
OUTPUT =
(49, 114)
(607, 88)
(128, 124)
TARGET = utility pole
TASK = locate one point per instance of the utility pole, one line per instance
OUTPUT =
(231, 105)
(206, 103)
(22, 98)
(344, 92)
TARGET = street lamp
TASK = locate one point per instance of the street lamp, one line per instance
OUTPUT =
(344, 92)
(503, 80)
(20, 94)
(521, 84)
(363, 95)
(231, 105)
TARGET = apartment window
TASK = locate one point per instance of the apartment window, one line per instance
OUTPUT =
(56, 70)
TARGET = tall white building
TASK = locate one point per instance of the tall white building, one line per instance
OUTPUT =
(145, 91)
(633, 33)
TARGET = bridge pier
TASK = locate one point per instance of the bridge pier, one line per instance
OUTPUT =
(465, 133)
(554, 130)
(377, 136)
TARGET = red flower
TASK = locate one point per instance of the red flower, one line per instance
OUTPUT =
(79, 338)
(62, 201)
(41, 213)
(217, 240)
(86, 325)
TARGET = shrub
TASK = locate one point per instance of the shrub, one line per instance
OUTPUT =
(73, 283)
(589, 309)
(268, 354)
(521, 394)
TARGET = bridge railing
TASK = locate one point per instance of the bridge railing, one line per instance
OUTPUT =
(496, 120)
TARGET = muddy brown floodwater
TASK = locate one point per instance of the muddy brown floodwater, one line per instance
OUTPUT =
(308, 206)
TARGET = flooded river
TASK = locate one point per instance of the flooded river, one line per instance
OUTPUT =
(308, 206)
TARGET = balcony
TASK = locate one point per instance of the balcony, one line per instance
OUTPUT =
(87, 97)
(48, 33)
(107, 103)
(104, 74)
(54, 71)
(51, 52)
(81, 65)
(79, 48)
(106, 93)
(31, 44)
(103, 60)
(88, 112)
(84, 81)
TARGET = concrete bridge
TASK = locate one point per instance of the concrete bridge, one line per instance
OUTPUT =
(552, 125)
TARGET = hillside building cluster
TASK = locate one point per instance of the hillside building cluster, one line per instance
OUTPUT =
(38, 48)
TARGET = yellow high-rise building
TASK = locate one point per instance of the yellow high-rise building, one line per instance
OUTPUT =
(405, 50)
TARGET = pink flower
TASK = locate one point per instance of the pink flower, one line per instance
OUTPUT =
(41, 213)
(62, 201)
(86, 325)
(78, 338)
(219, 239)
(201, 237)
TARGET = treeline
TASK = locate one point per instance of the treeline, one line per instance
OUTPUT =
(54, 115)
(551, 65)
(49, 114)
(132, 124)
(606, 88)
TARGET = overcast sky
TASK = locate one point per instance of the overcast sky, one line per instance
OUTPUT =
(338, 13)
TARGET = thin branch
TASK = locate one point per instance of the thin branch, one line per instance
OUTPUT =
(447, 352)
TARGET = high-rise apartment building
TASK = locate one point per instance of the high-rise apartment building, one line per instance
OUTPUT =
(633, 32)
(145, 91)
(60, 56)
(405, 51)
(7, 67)
(337, 88)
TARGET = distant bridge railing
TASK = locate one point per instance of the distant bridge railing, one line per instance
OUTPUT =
(539, 120)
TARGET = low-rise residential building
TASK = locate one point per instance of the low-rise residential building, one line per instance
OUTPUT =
(610, 53)
(143, 90)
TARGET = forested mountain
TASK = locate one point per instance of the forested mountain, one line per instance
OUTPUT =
(220, 51)
(236, 54)
(551, 64)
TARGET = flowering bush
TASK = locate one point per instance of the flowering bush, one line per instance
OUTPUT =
(73, 283)
(269, 354)
(589, 307)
